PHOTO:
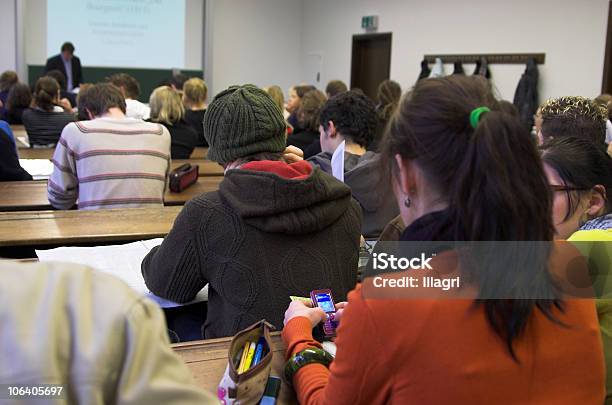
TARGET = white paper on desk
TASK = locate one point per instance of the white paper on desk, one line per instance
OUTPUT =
(40, 169)
(24, 141)
(337, 162)
(121, 261)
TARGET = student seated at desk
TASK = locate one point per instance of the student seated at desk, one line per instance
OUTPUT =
(308, 122)
(272, 230)
(167, 109)
(61, 80)
(47, 118)
(10, 169)
(580, 174)
(89, 333)
(18, 101)
(195, 93)
(8, 79)
(130, 88)
(110, 161)
(443, 148)
(351, 118)
(573, 116)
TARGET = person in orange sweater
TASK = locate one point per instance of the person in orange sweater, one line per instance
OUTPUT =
(462, 170)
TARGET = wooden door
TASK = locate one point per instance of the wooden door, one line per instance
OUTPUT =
(371, 62)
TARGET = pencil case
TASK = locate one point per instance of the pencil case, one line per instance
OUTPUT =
(183, 176)
(249, 386)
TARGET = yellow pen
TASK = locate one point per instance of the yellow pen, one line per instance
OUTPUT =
(249, 358)
(245, 353)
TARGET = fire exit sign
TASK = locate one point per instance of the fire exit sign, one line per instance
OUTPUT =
(369, 23)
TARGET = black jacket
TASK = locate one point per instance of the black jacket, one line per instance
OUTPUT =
(526, 95)
(10, 170)
(183, 139)
(303, 139)
(57, 63)
(195, 119)
(256, 241)
(45, 127)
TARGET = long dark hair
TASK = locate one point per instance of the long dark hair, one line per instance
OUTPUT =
(19, 96)
(309, 109)
(388, 95)
(46, 92)
(493, 181)
(580, 164)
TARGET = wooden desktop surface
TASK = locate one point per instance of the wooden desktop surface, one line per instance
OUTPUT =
(207, 360)
(34, 228)
(32, 195)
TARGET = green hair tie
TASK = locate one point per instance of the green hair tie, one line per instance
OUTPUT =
(475, 115)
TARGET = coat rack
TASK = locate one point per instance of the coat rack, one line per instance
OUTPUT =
(491, 58)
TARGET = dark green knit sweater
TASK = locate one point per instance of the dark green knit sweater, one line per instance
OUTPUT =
(256, 241)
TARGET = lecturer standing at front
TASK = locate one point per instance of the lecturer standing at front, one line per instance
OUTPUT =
(68, 64)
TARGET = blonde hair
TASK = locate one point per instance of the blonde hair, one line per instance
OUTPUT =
(277, 95)
(195, 91)
(166, 105)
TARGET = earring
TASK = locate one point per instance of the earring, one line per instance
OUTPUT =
(407, 202)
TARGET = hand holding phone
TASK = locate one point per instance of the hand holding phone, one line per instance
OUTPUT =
(324, 300)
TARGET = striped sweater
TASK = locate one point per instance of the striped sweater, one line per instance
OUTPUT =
(110, 163)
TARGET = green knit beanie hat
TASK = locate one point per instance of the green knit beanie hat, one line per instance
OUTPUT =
(241, 121)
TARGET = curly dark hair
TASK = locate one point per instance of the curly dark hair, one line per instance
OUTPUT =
(354, 116)
(574, 116)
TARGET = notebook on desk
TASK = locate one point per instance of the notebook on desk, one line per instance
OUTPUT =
(121, 261)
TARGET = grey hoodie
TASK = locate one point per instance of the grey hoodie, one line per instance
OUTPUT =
(374, 195)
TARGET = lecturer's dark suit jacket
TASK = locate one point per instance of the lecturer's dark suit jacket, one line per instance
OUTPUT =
(56, 63)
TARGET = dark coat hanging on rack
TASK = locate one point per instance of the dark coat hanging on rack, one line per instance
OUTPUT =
(458, 69)
(425, 71)
(482, 68)
(526, 95)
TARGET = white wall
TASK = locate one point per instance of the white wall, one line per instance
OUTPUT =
(254, 41)
(572, 33)
(8, 44)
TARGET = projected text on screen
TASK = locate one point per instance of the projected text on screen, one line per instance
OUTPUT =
(119, 33)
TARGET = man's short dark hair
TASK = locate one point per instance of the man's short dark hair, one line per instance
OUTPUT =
(178, 80)
(130, 85)
(335, 87)
(577, 117)
(59, 76)
(67, 46)
(353, 115)
(99, 98)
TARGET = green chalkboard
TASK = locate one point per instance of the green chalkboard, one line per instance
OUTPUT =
(149, 79)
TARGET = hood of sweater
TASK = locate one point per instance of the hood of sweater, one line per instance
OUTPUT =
(285, 198)
(362, 175)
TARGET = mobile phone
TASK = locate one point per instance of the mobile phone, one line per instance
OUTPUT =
(324, 300)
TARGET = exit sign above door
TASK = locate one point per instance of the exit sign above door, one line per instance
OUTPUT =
(369, 23)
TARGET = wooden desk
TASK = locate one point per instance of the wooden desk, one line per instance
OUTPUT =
(29, 153)
(36, 228)
(32, 195)
(207, 167)
(207, 360)
(199, 153)
(19, 130)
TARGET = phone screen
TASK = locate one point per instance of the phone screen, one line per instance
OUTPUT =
(325, 302)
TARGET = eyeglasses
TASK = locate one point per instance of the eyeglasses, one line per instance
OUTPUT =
(557, 187)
